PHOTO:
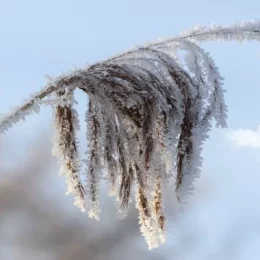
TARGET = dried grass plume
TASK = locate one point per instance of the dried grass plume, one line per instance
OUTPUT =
(148, 114)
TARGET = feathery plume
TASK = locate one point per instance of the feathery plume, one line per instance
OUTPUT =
(149, 114)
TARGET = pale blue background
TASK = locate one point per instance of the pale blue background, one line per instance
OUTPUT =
(50, 37)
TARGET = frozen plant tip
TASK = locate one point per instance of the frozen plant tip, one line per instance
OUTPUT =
(149, 113)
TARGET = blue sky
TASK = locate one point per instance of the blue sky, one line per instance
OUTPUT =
(50, 37)
(41, 38)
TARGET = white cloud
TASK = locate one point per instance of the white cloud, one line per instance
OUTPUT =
(246, 137)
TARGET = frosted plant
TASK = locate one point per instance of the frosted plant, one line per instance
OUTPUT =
(148, 115)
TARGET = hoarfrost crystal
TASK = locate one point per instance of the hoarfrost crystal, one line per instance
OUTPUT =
(149, 113)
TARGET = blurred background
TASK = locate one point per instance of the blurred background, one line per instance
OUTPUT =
(39, 222)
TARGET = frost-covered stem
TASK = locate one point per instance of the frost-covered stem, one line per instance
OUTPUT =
(65, 149)
(149, 112)
(21, 111)
(93, 162)
(145, 218)
(158, 210)
(235, 32)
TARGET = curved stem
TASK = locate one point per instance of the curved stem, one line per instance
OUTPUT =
(18, 112)
(247, 31)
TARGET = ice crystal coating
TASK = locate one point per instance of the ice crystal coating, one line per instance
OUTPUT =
(148, 116)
